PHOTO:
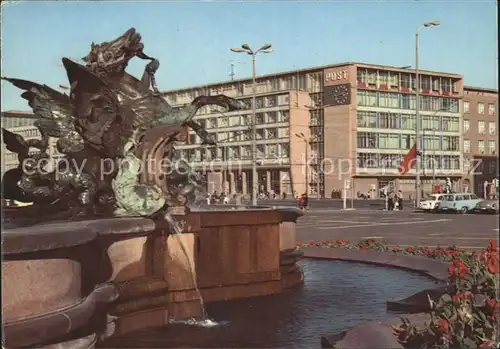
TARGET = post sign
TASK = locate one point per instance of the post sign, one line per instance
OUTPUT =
(336, 76)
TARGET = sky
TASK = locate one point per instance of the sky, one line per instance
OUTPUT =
(192, 38)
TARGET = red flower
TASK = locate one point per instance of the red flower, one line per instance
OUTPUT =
(364, 247)
(487, 344)
(443, 326)
(458, 269)
(493, 304)
(466, 296)
(409, 249)
(492, 264)
(493, 246)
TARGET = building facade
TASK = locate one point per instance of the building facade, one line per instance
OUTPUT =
(358, 120)
(480, 136)
(21, 122)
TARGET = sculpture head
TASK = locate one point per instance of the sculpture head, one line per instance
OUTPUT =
(113, 56)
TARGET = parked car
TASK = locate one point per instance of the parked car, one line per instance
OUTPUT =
(458, 202)
(431, 203)
(488, 206)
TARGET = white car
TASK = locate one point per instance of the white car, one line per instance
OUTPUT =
(431, 203)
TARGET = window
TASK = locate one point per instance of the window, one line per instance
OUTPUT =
(449, 104)
(389, 120)
(390, 160)
(408, 122)
(425, 103)
(491, 109)
(405, 81)
(407, 141)
(466, 145)
(367, 140)
(272, 117)
(431, 142)
(383, 78)
(430, 123)
(393, 100)
(367, 98)
(480, 107)
(492, 127)
(445, 84)
(388, 141)
(425, 82)
(466, 107)
(480, 127)
(405, 102)
(393, 79)
(466, 126)
(480, 147)
(367, 160)
(367, 119)
(451, 143)
(492, 147)
(451, 124)
(435, 84)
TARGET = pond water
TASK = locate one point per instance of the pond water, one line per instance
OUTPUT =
(335, 296)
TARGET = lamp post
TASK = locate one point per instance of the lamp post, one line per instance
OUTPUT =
(246, 49)
(305, 140)
(417, 113)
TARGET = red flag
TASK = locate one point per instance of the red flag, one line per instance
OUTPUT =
(409, 160)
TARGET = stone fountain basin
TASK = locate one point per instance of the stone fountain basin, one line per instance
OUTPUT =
(51, 267)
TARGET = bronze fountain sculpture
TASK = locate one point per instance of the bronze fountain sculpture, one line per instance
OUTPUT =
(117, 135)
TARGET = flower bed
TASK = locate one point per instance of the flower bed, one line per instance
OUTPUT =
(446, 254)
(467, 316)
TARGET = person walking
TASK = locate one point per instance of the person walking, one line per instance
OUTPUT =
(390, 201)
(400, 200)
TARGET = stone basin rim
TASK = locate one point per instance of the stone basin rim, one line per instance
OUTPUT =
(60, 234)
(49, 326)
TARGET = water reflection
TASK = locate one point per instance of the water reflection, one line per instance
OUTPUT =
(336, 295)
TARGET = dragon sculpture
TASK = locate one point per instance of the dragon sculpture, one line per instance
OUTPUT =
(115, 133)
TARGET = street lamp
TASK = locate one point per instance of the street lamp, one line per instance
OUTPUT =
(304, 138)
(246, 49)
(417, 111)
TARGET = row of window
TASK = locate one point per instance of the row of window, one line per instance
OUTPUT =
(372, 140)
(264, 151)
(246, 135)
(481, 146)
(371, 119)
(371, 160)
(407, 80)
(404, 101)
(260, 102)
(481, 127)
(309, 82)
(245, 120)
(480, 108)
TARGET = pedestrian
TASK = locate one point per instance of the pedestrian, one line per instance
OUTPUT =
(301, 203)
(390, 201)
(305, 200)
(400, 200)
(410, 197)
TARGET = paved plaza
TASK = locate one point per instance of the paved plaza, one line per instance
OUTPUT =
(404, 228)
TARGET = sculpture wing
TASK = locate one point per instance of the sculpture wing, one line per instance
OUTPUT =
(145, 105)
(53, 108)
(98, 113)
(15, 142)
